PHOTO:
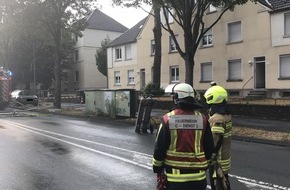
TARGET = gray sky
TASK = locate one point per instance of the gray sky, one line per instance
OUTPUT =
(126, 16)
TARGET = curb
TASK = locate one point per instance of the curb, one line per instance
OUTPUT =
(261, 141)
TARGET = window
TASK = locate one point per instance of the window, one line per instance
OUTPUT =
(174, 74)
(131, 77)
(128, 54)
(285, 66)
(117, 78)
(152, 47)
(168, 15)
(206, 72)
(234, 70)
(287, 24)
(77, 76)
(207, 38)
(234, 32)
(211, 8)
(172, 44)
(118, 53)
(76, 55)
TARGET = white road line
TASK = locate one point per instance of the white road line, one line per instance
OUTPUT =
(255, 183)
(251, 183)
(74, 138)
(80, 146)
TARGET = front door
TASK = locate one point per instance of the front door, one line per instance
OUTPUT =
(259, 72)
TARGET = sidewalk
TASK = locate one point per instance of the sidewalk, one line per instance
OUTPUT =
(267, 125)
(274, 132)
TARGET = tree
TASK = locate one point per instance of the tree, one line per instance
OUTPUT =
(158, 48)
(60, 17)
(188, 14)
(26, 43)
(32, 50)
(8, 10)
(101, 57)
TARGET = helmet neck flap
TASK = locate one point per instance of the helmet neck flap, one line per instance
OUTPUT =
(188, 103)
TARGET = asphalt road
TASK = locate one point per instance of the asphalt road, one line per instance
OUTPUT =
(62, 153)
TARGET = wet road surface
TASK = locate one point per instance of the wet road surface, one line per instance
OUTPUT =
(62, 153)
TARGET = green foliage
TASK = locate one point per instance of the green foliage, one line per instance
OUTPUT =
(101, 57)
(151, 89)
(40, 32)
(25, 42)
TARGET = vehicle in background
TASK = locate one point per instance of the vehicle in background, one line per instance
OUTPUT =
(5, 87)
(24, 97)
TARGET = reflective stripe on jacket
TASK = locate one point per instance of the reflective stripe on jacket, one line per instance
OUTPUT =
(185, 150)
(222, 125)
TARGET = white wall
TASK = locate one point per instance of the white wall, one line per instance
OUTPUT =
(87, 45)
(277, 30)
(122, 66)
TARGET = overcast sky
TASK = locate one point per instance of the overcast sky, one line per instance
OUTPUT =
(126, 16)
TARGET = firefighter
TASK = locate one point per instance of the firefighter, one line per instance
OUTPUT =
(213, 83)
(221, 127)
(184, 143)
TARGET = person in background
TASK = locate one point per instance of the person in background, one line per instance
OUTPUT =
(213, 83)
(221, 127)
(184, 143)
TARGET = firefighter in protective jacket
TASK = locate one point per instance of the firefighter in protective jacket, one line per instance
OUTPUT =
(221, 127)
(184, 142)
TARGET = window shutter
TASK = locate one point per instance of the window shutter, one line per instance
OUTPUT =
(128, 52)
(287, 24)
(285, 66)
(206, 72)
(235, 70)
(234, 30)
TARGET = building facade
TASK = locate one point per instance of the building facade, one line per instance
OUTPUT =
(83, 73)
(123, 64)
(247, 51)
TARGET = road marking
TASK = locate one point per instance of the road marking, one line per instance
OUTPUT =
(250, 183)
(34, 130)
(255, 183)
(74, 138)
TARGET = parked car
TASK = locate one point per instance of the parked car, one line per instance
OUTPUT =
(24, 97)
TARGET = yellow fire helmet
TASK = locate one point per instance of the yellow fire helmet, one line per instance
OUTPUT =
(215, 95)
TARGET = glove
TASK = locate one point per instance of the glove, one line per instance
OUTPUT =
(161, 181)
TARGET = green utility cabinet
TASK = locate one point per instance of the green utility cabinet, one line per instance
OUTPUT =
(113, 103)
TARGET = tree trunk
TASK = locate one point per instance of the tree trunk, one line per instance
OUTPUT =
(189, 55)
(157, 56)
(189, 61)
(188, 46)
(57, 69)
(189, 65)
(57, 102)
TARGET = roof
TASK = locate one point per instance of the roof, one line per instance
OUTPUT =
(265, 3)
(130, 35)
(100, 21)
(276, 5)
